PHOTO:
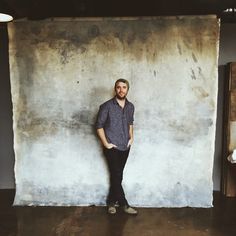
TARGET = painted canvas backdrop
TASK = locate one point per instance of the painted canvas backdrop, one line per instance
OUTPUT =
(62, 70)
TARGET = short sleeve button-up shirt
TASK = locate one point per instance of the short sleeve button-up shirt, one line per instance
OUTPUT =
(115, 121)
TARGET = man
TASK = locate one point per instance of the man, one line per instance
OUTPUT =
(115, 130)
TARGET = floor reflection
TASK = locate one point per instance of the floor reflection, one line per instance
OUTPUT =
(94, 221)
(61, 221)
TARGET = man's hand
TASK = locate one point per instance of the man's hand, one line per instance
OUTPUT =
(103, 139)
(130, 142)
(131, 135)
(110, 146)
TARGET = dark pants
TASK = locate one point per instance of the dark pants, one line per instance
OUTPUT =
(116, 160)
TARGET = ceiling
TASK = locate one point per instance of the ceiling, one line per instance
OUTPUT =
(41, 9)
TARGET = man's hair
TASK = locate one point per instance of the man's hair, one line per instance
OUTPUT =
(123, 81)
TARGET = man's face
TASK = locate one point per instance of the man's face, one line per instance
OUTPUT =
(121, 90)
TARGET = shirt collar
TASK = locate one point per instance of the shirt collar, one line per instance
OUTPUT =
(115, 101)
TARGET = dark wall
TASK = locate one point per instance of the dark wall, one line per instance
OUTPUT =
(6, 134)
(227, 54)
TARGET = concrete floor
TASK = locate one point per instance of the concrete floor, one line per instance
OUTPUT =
(94, 221)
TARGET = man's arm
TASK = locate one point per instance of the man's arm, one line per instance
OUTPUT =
(131, 135)
(102, 136)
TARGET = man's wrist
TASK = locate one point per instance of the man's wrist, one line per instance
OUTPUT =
(106, 145)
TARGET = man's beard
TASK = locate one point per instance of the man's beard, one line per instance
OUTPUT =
(121, 98)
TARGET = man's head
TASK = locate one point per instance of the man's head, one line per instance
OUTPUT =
(121, 88)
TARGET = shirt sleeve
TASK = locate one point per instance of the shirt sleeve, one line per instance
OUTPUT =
(131, 118)
(102, 116)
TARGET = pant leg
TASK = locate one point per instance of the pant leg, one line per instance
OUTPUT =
(122, 161)
(116, 161)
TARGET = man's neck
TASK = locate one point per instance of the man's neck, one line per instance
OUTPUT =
(121, 102)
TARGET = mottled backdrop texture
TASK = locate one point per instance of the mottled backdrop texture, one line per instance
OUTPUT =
(63, 69)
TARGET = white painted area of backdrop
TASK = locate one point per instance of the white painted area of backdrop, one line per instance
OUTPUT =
(62, 70)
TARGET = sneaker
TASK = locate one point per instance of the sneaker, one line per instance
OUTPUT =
(111, 209)
(130, 210)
